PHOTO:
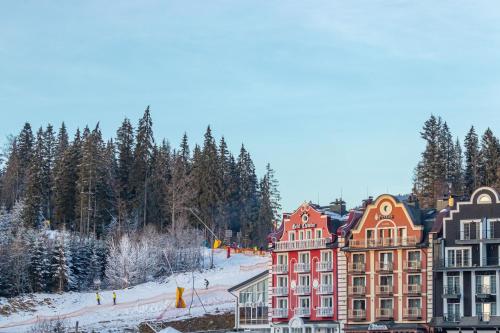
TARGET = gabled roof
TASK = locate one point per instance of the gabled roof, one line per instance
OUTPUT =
(249, 281)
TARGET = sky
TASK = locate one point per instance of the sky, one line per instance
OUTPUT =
(332, 94)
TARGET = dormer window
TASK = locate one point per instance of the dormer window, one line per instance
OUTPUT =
(291, 235)
(484, 199)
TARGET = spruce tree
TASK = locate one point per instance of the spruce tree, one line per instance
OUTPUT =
(248, 195)
(10, 177)
(59, 267)
(489, 158)
(49, 151)
(457, 169)
(472, 161)
(160, 179)
(33, 209)
(125, 161)
(141, 168)
(274, 193)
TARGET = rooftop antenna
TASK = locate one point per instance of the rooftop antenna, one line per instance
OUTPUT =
(318, 199)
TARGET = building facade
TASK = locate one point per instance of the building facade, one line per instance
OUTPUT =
(304, 272)
(385, 268)
(252, 306)
(467, 265)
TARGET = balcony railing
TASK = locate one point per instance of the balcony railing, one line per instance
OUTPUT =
(302, 267)
(324, 312)
(474, 234)
(280, 313)
(303, 244)
(280, 269)
(413, 265)
(383, 242)
(452, 317)
(302, 290)
(325, 289)
(357, 314)
(465, 262)
(451, 291)
(324, 266)
(303, 312)
(356, 267)
(484, 316)
(385, 313)
(412, 313)
(385, 289)
(413, 289)
(490, 261)
(385, 266)
(280, 291)
(485, 290)
(357, 290)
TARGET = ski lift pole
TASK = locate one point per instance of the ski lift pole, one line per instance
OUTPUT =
(216, 239)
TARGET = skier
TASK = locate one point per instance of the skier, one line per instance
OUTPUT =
(114, 298)
(98, 298)
(206, 284)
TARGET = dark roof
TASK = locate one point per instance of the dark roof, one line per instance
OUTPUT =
(249, 281)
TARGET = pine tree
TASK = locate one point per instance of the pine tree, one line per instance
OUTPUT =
(472, 161)
(489, 158)
(25, 144)
(125, 148)
(248, 194)
(48, 156)
(10, 177)
(141, 170)
(59, 267)
(274, 194)
(33, 209)
(266, 214)
(160, 179)
(457, 177)
(229, 201)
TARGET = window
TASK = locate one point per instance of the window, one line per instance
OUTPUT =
(358, 281)
(386, 258)
(291, 235)
(282, 303)
(282, 259)
(414, 256)
(301, 235)
(386, 303)
(453, 284)
(358, 258)
(370, 234)
(326, 256)
(470, 230)
(486, 310)
(304, 280)
(308, 234)
(304, 302)
(358, 304)
(414, 279)
(486, 284)
(304, 257)
(282, 281)
(414, 303)
(326, 279)
(326, 302)
(253, 307)
(319, 233)
(386, 280)
(453, 313)
(458, 257)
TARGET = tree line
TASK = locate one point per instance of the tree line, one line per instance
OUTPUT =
(92, 186)
(448, 167)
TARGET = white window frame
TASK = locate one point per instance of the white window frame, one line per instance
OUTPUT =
(318, 233)
(299, 258)
(326, 274)
(282, 255)
(304, 275)
(330, 252)
(278, 299)
(455, 248)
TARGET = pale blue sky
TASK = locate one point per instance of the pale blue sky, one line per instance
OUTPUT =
(331, 93)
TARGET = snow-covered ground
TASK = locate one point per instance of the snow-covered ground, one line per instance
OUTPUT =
(148, 301)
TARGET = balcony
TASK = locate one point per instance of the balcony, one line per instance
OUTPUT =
(324, 266)
(385, 313)
(302, 312)
(484, 316)
(412, 313)
(384, 242)
(357, 315)
(280, 269)
(324, 312)
(413, 289)
(279, 291)
(451, 291)
(304, 244)
(413, 265)
(452, 317)
(483, 291)
(280, 313)
(474, 236)
(302, 290)
(356, 267)
(385, 266)
(357, 290)
(325, 289)
(302, 267)
(490, 261)
(464, 263)
(385, 289)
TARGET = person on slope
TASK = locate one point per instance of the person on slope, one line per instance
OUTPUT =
(98, 298)
(206, 284)
(114, 298)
